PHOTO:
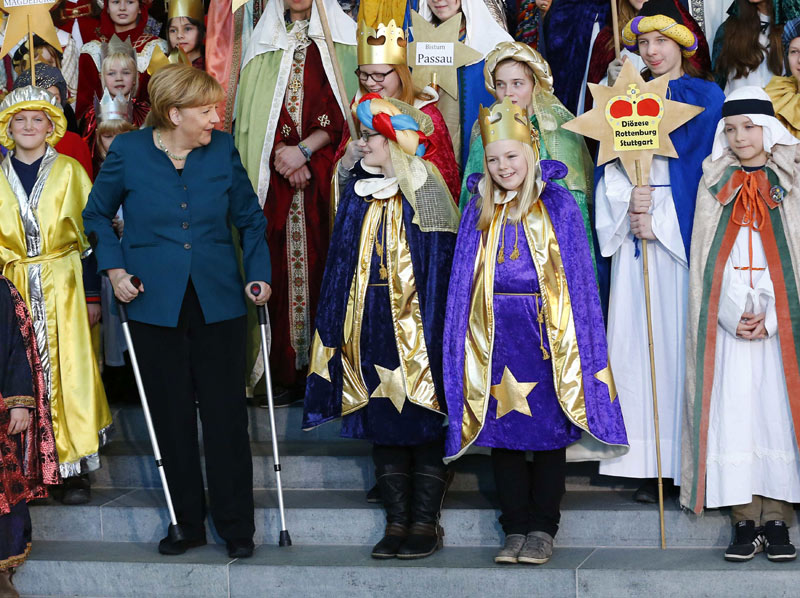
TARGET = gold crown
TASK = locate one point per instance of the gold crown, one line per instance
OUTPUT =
(505, 120)
(159, 60)
(390, 48)
(193, 9)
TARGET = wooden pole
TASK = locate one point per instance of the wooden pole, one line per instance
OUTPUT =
(31, 52)
(646, 272)
(337, 68)
(615, 27)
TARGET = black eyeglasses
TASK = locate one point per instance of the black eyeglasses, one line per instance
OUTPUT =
(377, 77)
(365, 135)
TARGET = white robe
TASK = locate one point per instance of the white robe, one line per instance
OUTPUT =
(627, 322)
(751, 443)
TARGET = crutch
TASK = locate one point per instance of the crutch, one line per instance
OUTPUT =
(174, 533)
(284, 539)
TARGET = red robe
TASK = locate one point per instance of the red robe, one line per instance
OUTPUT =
(73, 146)
(440, 154)
(320, 110)
(89, 84)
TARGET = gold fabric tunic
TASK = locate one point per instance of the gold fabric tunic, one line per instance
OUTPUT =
(41, 243)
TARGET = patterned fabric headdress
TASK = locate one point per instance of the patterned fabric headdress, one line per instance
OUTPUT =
(407, 130)
(46, 76)
(386, 44)
(662, 16)
(31, 98)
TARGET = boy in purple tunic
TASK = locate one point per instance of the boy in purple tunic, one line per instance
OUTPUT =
(525, 355)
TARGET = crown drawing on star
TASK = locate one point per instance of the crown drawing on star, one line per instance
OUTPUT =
(384, 45)
(645, 107)
(506, 120)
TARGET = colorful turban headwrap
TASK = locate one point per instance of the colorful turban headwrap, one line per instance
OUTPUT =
(382, 116)
(674, 30)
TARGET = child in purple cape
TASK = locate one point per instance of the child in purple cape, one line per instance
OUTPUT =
(525, 356)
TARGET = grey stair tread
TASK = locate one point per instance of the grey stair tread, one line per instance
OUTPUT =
(134, 569)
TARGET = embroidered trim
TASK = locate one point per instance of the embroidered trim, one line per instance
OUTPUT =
(15, 561)
(19, 401)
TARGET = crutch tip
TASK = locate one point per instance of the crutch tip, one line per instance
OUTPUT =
(285, 539)
(175, 533)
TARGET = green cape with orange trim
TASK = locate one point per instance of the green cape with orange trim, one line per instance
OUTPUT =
(713, 237)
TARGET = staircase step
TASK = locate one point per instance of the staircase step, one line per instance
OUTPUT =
(344, 517)
(323, 464)
(133, 570)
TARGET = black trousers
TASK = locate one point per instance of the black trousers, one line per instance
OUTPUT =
(201, 366)
(409, 457)
(530, 493)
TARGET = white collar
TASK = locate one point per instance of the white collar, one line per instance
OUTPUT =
(378, 187)
(499, 196)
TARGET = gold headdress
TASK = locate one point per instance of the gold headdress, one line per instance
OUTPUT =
(159, 60)
(192, 9)
(505, 120)
(31, 98)
(388, 44)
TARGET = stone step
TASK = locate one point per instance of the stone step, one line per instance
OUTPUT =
(344, 517)
(323, 464)
(132, 570)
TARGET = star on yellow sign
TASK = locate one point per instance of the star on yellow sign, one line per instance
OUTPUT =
(447, 34)
(512, 395)
(24, 15)
(392, 386)
(594, 124)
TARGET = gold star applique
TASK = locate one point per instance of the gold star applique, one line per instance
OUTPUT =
(595, 125)
(320, 356)
(41, 24)
(606, 377)
(446, 33)
(391, 387)
(512, 395)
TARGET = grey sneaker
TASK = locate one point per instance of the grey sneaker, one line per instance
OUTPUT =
(537, 550)
(508, 553)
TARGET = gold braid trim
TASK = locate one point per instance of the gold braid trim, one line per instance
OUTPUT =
(20, 401)
(15, 561)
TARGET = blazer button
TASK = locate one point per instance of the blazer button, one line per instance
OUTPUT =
(187, 245)
(185, 225)
(185, 188)
(184, 205)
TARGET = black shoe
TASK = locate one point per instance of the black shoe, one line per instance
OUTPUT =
(374, 495)
(779, 547)
(748, 540)
(240, 549)
(425, 535)
(281, 397)
(647, 492)
(76, 490)
(392, 540)
(168, 547)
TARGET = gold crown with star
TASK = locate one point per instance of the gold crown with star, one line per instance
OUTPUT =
(192, 9)
(506, 120)
(113, 108)
(384, 45)
(159, 60)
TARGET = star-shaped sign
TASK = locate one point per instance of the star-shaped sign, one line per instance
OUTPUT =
(512, 395)
(606, 377)
(392, 386)
(25, 16)
(445, 38)
(320, 356)
(595, 123)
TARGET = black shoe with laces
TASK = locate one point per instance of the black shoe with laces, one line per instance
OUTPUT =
(779, 547)
(748, 540)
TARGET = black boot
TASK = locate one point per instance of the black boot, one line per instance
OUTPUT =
(77, 490)
(425, 535)
(394, 484)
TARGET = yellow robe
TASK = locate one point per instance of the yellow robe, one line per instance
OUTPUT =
(41, 243)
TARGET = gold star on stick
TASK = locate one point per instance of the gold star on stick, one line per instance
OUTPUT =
(320, 356)
(391, 387)
(595, 123)
(606, 377)
(28, 16)
(445, 34)
(512, 395)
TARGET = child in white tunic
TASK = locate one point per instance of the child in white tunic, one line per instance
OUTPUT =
(742, 272)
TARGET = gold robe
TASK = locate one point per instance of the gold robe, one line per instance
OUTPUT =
(41, 244)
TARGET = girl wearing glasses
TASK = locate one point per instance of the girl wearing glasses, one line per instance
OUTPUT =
(382, 69)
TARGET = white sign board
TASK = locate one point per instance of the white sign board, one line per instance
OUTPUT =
(434, 54)
(18, 3)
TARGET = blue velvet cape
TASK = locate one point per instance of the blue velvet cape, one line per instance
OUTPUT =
(604, 417)
(431, 257)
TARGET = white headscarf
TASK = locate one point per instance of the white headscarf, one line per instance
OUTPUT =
(774, 132)
(483, 32)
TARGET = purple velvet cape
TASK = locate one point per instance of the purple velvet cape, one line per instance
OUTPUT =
(604, 417)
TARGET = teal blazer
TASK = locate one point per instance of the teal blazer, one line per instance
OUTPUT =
(179, 226)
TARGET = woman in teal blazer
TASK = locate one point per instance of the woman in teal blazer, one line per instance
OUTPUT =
(182, 187)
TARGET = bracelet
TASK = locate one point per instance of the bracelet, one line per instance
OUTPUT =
(306, 150)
